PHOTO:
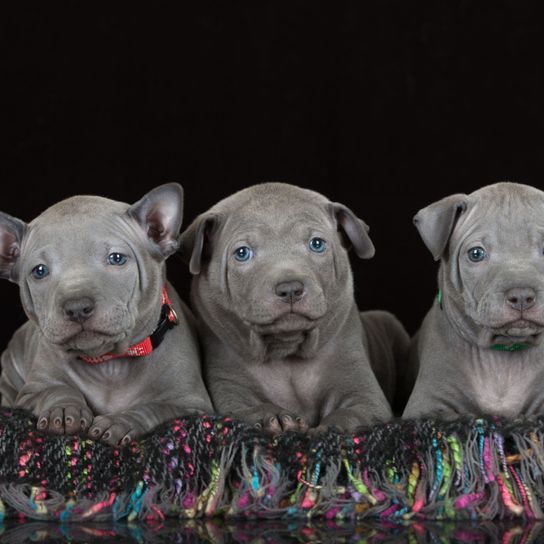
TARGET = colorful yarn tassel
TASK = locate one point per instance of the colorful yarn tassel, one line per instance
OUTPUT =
(208, 466)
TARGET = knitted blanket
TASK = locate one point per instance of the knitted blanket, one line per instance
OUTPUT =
(207, 466)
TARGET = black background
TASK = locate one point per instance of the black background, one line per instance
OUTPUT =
(383, 105)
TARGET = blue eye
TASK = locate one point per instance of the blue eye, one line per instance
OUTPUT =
(318, 245)
(40, 271)
(243, 254)
(117, 259)
(477, 254)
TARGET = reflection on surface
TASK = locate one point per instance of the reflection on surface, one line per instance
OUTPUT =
(273, 532)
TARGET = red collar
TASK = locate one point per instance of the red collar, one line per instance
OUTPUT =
(167, 320)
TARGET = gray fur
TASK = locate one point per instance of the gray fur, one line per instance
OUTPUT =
(296, 364)
(457, 371)
(41, 370)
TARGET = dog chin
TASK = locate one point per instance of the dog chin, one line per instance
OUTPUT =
(520, 331)
(286, 323)
(92, 343)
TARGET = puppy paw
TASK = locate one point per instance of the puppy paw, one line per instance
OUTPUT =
(272, 419)
(283, 422)
(320, 429)
(65, 419)
(114, 430)
(349, 420)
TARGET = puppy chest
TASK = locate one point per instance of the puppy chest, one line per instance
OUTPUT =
(293, 385)
(504, 389)
(110, 388)
(108, 400)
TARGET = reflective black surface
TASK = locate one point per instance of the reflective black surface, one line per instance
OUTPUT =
(273, 532)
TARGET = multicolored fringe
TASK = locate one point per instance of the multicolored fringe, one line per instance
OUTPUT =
(198, 467)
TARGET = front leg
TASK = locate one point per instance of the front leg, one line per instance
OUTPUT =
(344, 420)
(435, 408)
(248, 403)
(60, 409)
(355, 415)
(346, 409)
(121, 428)
(444, 400)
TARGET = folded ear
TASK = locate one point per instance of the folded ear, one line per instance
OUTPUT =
(12, 231)
(354, 229)
(195, 238)
(436, 222)
(160, 213)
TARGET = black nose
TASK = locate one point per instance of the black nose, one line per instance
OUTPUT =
(78, 309)
(521, 298)
(290, 291)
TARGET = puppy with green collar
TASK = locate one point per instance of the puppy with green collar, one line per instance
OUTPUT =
(479, 349)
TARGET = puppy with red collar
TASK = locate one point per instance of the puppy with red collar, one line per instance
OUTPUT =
(109, 348)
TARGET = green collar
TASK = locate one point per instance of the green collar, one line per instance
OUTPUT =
(510, 347)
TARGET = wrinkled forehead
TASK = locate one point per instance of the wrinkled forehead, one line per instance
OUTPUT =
(503, 219)
(271, 219)
(89, 222)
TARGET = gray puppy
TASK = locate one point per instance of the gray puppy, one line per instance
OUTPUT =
(479, 348)
(106, 337)
(285, 346)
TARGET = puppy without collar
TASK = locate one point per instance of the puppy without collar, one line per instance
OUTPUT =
(108, 347)
(285, 346)
(479, 349)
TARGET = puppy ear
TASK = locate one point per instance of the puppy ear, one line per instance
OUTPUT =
(436, 222)
(194, 240)
(355, 229)
(160, 213)
(12, 231)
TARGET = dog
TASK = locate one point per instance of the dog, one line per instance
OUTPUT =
(285, 347)
(479, 349)
(109, 348)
